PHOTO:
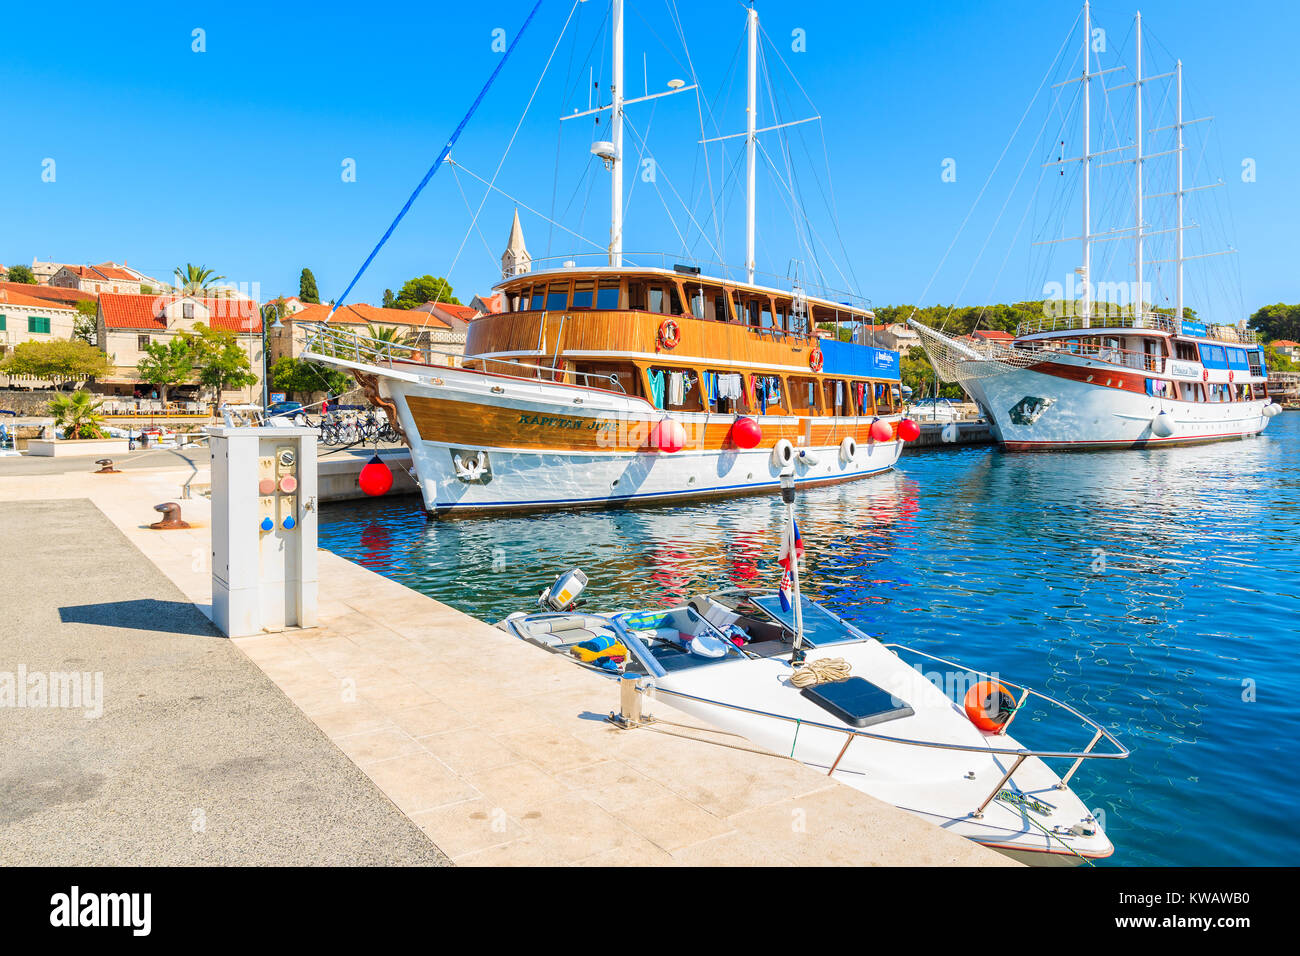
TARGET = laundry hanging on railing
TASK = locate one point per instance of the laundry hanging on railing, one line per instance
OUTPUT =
(657, 388)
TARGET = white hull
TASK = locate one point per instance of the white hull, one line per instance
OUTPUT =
(1031, 410)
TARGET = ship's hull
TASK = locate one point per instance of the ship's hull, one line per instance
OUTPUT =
(486, 443)
(1053, 406)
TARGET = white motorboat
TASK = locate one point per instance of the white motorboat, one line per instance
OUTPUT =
(926, 734)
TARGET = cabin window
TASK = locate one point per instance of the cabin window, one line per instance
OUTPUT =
(726, 392)
(1186, 351)
(656, 299)
(837, 397)
(751, 313)
(607, 295)
(599, 375)
(583, 293)
(884, 398)
(765, 315)
(720, 308)
(1259, 391)
(697, 303)
(862, 397)
(803, 394)
(636, 296)
(557, 297)
(539, 298)
(677, 388)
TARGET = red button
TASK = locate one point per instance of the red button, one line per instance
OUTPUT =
(288, 484)
(266, 487)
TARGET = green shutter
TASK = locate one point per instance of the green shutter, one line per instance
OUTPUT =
(2, 323)
(36, 323)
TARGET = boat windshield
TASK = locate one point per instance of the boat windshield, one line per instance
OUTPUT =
(666, 641)
(820, 626)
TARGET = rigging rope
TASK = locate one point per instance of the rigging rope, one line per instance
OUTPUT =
(821, 671)
(437, 163)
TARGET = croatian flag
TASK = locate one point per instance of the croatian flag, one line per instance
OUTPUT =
(790, 552)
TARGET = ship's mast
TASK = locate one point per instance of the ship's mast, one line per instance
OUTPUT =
(1178, 267)
(1137, 292)
(616, 129)
(751, 141)
(1087, 165)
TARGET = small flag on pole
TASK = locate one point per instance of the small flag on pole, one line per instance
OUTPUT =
(789, 550)
(785, 591)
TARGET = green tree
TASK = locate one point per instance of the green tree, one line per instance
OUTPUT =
(388, 299)
(78, 415)
(85, 327)
(424, 289)
(219, 359)
(307, 288)
(167, 363)
(21, 274)
(194, 279)
(1276, 362)
(1278, 321)
(302, 378)
(59, 361)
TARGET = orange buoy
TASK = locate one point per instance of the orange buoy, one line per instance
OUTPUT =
(989, 706)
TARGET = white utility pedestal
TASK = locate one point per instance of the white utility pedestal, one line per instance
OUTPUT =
(263, 529)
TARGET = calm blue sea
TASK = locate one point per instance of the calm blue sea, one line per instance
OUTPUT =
(1155, 591)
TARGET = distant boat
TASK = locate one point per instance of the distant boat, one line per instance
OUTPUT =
(1105, 377)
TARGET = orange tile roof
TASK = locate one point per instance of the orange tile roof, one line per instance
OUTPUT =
(106, 271)
(124, 311)
(362, 314)
(48, 292)
(9, 297)
(1284, 344)
(997, 334)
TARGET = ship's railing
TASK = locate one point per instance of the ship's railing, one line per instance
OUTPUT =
(329, 342)
(709, 269)
(1070, 323)
(1230, 333)
(1127, 358)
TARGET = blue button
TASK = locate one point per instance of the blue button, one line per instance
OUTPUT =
(267, 524)
(289, 523)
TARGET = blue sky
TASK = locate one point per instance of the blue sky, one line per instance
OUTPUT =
(232, 157)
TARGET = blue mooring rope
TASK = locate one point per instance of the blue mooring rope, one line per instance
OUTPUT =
(446, 150)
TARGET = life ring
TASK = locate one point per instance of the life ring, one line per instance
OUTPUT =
(848, 450)
(1232, 376)
(669, 334)
(989, 706)
(782, 454)
(1205, 375)
(816, 359)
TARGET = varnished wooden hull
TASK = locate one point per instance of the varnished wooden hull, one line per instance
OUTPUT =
(484, 443)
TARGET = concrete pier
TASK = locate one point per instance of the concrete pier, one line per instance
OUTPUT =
(498, 752)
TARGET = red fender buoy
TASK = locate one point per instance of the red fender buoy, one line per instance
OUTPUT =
(668, 435)
(989, 706)
(909, 430)
(746, 433)
(881, 431)
(376, 478)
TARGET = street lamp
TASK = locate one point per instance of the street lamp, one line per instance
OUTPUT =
(275, 309)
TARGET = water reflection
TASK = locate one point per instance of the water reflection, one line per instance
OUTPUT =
(1153, 590)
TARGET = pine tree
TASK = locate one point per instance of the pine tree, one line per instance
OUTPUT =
(388, 298)
(307, 293)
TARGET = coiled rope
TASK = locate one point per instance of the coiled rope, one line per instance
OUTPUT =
(820, 672)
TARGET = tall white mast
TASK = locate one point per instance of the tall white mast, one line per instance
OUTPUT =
(1087, 165)
(751, 141)
(616, 121)
(1137, 293)
(1178, 268)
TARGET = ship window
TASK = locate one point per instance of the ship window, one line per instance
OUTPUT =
(803, 394)
(884, 397)
(539, 298)
(726, 392)
(607, 295)
(837, 397)
(675, 388)
(765, 314)
(771, 394)
(557, 296)
(697, 303)
(720, 308)
(636, 296)
(656, 299)
(582, 295)
(751, 312)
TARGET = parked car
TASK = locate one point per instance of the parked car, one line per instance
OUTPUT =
(288, 409)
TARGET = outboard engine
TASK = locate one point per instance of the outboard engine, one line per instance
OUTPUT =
(562, 595)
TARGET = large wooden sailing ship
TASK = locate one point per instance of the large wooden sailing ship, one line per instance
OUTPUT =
(620, 381)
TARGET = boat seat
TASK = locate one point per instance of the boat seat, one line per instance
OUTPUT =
(713, 612)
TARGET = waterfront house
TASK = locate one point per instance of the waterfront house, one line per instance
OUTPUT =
(105, 277)
(128, 324)
(1287, 349)
(30, 318)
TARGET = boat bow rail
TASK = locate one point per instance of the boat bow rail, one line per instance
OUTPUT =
(650, 688)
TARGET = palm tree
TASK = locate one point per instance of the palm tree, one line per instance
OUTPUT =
(196, 278)
(393, 338)
(78, 415)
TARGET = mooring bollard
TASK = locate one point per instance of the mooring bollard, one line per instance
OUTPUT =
(629, 701)
(106, 467)
(171, 517)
